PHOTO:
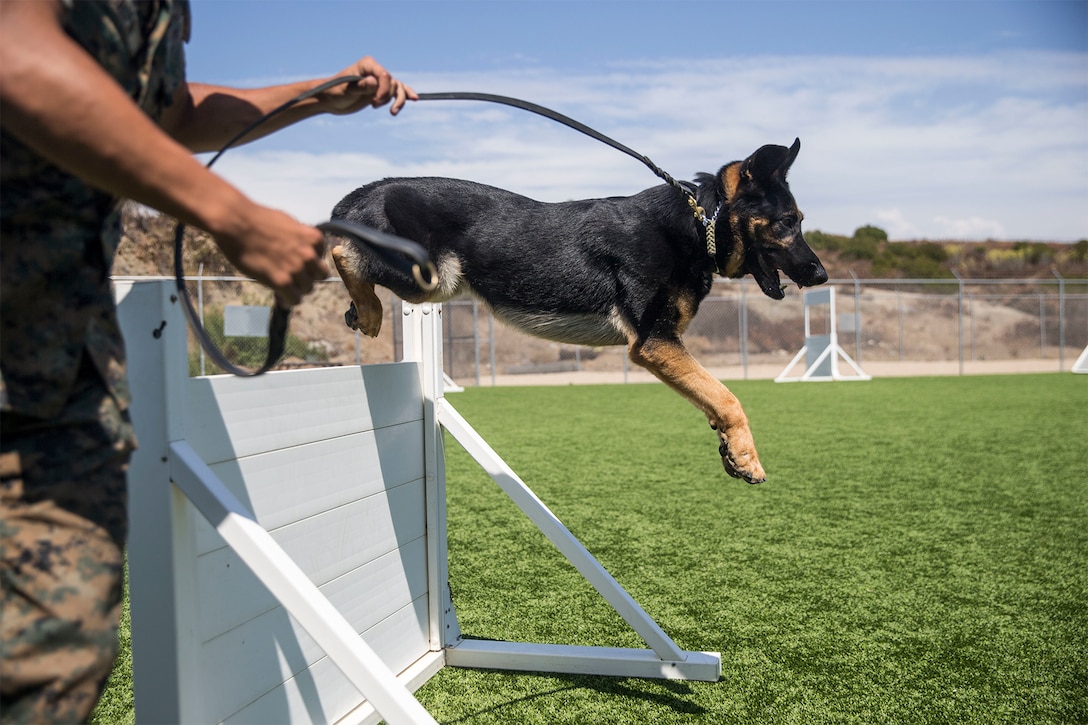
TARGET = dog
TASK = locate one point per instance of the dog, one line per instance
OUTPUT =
(614, 271)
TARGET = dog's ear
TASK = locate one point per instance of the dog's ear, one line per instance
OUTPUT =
(796, 147)
(770, 162)
(730, 176)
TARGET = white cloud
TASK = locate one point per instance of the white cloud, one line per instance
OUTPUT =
(970, 228)
(896, 224)
(975, 147)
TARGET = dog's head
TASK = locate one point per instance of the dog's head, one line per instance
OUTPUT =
(765, 223)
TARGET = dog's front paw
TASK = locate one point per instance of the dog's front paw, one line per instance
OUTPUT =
(351, 317)
(739, 457)
(369, 322)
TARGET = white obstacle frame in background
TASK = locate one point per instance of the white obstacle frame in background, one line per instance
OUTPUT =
(1081, 363)
(287, 546)
(821, 352)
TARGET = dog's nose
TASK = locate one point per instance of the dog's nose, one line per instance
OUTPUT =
(811, 274)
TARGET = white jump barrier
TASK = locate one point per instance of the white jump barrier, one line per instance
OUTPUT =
(1081, 363)
(287, 546)
(821, 352)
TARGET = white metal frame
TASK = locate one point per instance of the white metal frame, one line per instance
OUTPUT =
(1081, 364)
(268, 430)
(821, 352)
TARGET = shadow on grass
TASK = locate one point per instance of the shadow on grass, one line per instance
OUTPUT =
(674, 699)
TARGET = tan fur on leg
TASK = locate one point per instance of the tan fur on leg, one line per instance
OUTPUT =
(368, 308)
(670, 361)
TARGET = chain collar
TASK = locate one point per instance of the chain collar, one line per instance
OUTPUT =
(710, 225)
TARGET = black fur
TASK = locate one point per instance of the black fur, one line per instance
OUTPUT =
(620, 270)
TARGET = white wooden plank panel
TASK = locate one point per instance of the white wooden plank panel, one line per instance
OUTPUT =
(284, 486)
(354, 657)
(292, 703)
(273, 649)
(232, 417)
(335, 542)
(416, 676)
(400, 639)
(232, 595)
(325, 547)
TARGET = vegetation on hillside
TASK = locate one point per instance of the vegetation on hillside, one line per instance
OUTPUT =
(869, 253)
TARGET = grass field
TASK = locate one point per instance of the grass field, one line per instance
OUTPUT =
(919, 553)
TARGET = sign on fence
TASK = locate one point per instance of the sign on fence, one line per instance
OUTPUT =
(245, 321)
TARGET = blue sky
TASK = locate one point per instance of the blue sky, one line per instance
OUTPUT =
(959, 119)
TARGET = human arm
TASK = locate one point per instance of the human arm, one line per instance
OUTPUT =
(205, 117)
(59, 102)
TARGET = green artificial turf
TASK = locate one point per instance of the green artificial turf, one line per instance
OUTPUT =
(117, 707)
(919, 553)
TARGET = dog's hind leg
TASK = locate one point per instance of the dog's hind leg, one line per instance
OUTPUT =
(670, 361)
(365, 313)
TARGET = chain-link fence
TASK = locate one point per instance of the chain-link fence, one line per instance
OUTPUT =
(956, 326)
(899, 326)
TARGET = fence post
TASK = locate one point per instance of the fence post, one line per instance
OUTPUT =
(743, 312)
(491, 343)
(899, 312)
(857, 317)
(200, 308)
(1061, 320)
(970, 306)
(959, 317)
(1042, 325)
(476, 338)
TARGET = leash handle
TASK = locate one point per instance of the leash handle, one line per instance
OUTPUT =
(396, 251)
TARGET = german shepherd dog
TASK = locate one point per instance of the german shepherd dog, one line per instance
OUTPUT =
(616, 271)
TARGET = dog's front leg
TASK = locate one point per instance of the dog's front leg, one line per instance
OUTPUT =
(365, 313)
(670, 361)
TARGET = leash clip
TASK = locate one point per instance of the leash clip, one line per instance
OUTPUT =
(431, 283)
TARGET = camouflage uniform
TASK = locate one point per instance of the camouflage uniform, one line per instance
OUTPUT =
(65, 437)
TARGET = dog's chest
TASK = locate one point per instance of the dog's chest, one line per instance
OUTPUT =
(572, 328)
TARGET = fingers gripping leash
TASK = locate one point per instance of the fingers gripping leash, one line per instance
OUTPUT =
(398, 252)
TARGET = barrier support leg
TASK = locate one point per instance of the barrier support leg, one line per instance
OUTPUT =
(664, 660)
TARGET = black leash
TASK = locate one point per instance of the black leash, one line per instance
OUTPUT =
(700, 213)
(399, 252)
(559, 117)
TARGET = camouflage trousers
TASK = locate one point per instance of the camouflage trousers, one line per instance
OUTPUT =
(62, 530)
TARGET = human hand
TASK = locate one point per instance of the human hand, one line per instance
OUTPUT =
(376, 89)
(277, 251)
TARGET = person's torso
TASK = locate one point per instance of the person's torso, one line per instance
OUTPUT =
(58, 235)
